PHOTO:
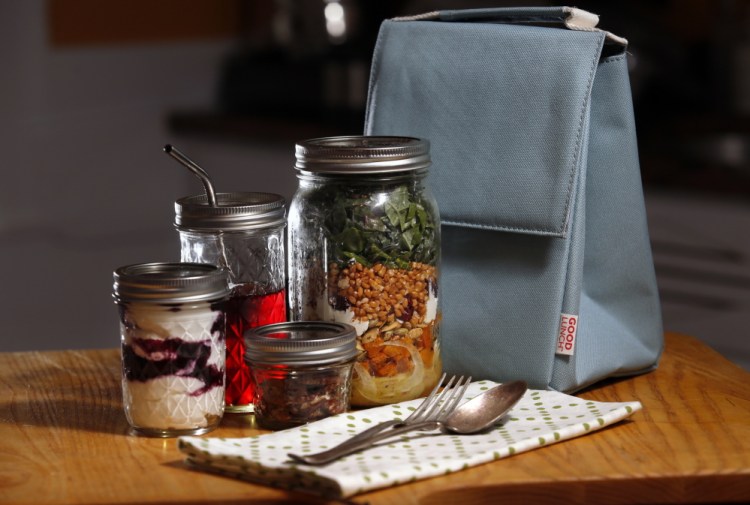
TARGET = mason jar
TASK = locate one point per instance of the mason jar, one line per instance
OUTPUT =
(172, 337)
(302, 371)
(364, 249)
(243, 233)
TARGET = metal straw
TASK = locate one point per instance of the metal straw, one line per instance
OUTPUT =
(197, 170)
(210, 193)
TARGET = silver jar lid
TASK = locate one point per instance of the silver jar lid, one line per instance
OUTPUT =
(301, 343)
(170, 283)
(233, 212)
(362, 155)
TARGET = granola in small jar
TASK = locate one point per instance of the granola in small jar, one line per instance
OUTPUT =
(301, 371)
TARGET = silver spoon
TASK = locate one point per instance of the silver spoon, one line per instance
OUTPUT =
(476, 415)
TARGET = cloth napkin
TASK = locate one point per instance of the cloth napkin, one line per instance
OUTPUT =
(539, 419)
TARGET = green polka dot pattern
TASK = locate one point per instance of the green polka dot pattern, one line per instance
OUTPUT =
(539, 419)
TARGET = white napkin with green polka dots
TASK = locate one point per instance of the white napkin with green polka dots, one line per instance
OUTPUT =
(540, 418)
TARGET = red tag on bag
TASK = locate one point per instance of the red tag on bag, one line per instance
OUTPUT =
(566, 338)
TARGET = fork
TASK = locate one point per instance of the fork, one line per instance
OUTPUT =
(413, 418)
(434, 407)
(417, 416)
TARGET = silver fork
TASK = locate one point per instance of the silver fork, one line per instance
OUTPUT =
(415, 416)
(418, 415)
(433, 408)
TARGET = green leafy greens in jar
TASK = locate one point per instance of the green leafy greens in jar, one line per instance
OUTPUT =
(394, 233)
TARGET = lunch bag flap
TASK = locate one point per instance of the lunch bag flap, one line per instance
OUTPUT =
(517, 157)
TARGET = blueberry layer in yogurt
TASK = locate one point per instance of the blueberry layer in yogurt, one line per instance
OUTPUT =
(148, 359)
(173, 365)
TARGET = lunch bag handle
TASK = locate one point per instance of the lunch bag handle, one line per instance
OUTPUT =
(572, 18)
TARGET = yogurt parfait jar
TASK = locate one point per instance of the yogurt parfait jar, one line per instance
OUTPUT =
(172, 330)
(364, 249)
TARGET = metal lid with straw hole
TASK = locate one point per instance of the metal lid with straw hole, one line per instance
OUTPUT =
(232, 212)
(301, 343)
(362, 155)
(170, 283)
(223, 211)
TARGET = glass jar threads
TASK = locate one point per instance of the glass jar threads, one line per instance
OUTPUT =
(364, 249)
(244, 233)
(172, 334)
(302, 371)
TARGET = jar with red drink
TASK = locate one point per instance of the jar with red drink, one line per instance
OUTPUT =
(243, 233)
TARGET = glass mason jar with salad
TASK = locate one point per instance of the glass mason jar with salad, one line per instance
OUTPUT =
(364, 249)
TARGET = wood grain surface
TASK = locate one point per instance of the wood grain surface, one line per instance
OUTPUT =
(64, 439)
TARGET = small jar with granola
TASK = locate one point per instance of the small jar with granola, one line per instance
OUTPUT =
(301, 371)
(364, 249)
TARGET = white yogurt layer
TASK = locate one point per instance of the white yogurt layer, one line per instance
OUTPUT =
(431, 307)
(347, 316)
(166, 403)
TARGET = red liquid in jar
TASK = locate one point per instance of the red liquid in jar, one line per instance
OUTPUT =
(246, 311)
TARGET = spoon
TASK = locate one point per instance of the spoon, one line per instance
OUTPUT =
(474, 416)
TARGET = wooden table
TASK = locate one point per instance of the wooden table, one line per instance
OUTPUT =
(63, 439)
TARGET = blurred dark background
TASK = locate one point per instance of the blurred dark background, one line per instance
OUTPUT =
(93, 89)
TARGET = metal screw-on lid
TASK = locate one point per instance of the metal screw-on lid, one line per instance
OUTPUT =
(301, 343)
(362, 155)
(170, 283)
(233, 212)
